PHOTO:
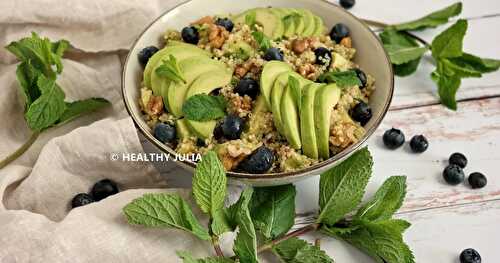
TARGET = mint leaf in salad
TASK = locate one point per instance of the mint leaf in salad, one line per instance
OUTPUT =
(432, 20)
(203, 107)
(170, 70)
(262, 40)
(342, 79)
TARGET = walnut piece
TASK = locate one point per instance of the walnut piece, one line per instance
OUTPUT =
(346, 42)
(299, 46)
(155, 105)
(307, 70)
(204, 20)
(217, 36)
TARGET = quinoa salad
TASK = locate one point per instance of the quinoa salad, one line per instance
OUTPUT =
(269, 90)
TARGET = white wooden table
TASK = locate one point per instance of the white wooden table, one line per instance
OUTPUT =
(446, 219)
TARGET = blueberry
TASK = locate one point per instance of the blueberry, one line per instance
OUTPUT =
(458, 159)
(393, 138)
(477, 180)
(419, 144)
(362, 77)
(166, 133)
(190, 35)
(225, 23)
(103, 189)
(232, 127)
(347, 3)
(453, 174)
(361, 113)
(200, 142)
(260, 161)
(323, 56)
(218, 133)
(470, 255)
(338, 32)
(145, 54)
(247, 86)
(273, 54)
(81, 200)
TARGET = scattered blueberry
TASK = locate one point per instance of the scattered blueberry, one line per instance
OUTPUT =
(232, 127)
(260, 161)
(453, 174)
(273, 54)
(470, 255)
(458, 159)
(361, 113)
(200, 142)
(226, 23)
(145, 54)
(477, 180)
(81, 200)
(338, 32)
(362, 77)
(103, 189)
(190, 35)
(419, 144)
(393, 138)
(247, 86)
(323, 56)
(164, 132)
(347, 3)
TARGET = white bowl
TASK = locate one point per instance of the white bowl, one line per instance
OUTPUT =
(370, 56)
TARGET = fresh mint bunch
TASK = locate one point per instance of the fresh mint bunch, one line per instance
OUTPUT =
(452, 63)
(264, 216)
(45, 105)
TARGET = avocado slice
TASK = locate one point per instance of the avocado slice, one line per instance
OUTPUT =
(276, 93)
(309, 25)
(192, 68)
(290, 114)
(299, 22)
(256, 120)
(319, 26)
(241, 49)
(182, 129)
(268, 18)
(270, 72)
(206, 83)
(179, 51)
(307, 129)
(339, 62)
(325, 100)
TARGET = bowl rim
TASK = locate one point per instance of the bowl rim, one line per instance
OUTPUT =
(247, 176)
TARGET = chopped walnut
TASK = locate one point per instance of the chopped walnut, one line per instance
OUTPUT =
(307, 70)
(242, 69)
(346, 42)
(240, 106)
(299, 46)
(233, 154)
(217, 36)
(204, 20)
(155, 105)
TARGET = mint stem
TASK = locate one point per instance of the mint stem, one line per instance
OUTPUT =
(218, 250)
(384, 25)
(298, 232)
(19, 151)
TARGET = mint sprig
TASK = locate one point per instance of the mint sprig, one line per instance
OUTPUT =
(263, 217)
(262, 40)
(343, 79)
(431, 20)
(203, 107)
(170, 69)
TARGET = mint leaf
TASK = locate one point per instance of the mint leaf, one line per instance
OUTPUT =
(77, 108)
(391, 37)
(383, 241)
(447, 88)
(343, 186)
(220, 223)
(294, 85)
(406, 69)
(262, 40)
(231, 213)
(273, 210)
(469, 62)
(295, 250)
(164, 210)
(27, 77)
(341, 78)
(245, 244)
(48, 108)
(209, 183)
(251, 18)
(187, 257)
(203, 107)
(401, 55)
(386, 201)
(432, 20)
(449, 43)
(170, 70)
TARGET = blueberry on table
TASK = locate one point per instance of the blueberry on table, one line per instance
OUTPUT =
(247, 86)
(347, 3)
(470, 255)
(190, 35)
(453, 174)
(323, 56)
(393, 138)
(273, 54)
(81, 200)
(145, 54)
(419, 144)
(260, 161)
(458, 159)
(361, 113)
(225, 23)
(477, 180)
(232, 127)
(165, 133)
(362, 77)
(103, 189)
(338, 32)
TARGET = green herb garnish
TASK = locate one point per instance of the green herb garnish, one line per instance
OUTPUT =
(343, 79)
(170, 70)
(202, 107)
(262, 40)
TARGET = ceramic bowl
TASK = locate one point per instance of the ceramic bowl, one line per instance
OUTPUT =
(370, 56)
